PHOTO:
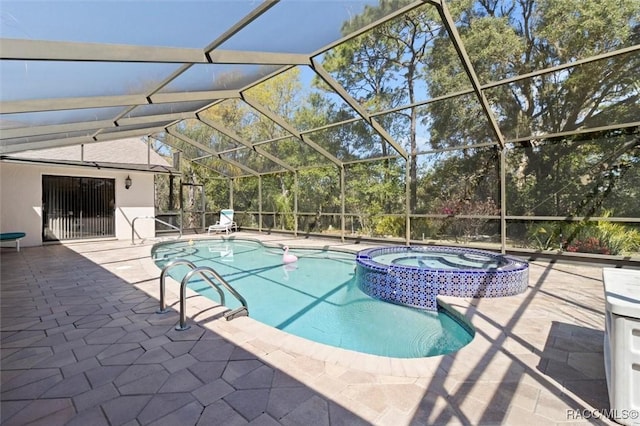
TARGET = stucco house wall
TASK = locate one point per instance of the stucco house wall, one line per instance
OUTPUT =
(21, 199)
(21, 184)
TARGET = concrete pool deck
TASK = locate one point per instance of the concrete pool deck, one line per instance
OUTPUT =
(81, 344)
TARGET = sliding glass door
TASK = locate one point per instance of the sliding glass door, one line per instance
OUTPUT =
(77, 207)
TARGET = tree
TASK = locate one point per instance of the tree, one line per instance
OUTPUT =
(382, 68)
(374, 189)
(510, 38)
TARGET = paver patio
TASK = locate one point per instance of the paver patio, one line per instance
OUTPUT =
(82, 345)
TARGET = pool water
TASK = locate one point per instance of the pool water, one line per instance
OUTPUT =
(442, 260)
(317, 298)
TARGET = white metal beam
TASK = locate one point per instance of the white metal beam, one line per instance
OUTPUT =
(27, 146)
(44, 50)
(151, 119)
(260, 58)
(59, 104)
(25, 132)
(127, 133)
(37, 105)
(210, 95)
(238, 26)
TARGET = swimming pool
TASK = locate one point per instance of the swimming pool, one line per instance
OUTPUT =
(317, 298)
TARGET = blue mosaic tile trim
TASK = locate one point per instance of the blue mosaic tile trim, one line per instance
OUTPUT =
(419, 286)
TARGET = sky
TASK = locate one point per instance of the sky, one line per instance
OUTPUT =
(176, 23)
(190, 24)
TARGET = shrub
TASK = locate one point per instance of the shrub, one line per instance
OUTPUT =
(470, 226)
(600, 237)
(388, 225)
(585, 237)
(422, 228)
(619, 238)
(589, 245)
(544, 235)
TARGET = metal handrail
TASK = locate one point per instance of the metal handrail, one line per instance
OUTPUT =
(243, 310)
(163, 305)
(133, 226)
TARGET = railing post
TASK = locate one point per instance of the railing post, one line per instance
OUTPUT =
(163, 306)
(183, 302)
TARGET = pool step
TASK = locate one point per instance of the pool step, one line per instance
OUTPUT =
(238, 312)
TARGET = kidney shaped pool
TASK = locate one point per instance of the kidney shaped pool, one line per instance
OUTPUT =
(317, 298)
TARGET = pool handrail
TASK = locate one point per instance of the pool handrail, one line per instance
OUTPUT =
(163, 305)
(133, 226)
(201, 270)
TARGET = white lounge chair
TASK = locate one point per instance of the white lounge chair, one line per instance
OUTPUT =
(225, 223)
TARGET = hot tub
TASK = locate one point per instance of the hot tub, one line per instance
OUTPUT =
(415, 276)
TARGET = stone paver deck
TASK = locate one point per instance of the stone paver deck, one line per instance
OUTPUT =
(81, 344)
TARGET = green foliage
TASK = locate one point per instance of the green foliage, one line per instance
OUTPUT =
(618, 238)
(217, 194)
(544, 236)
(576, 178)
(389, 226)
(283, 206)
(579, 28)
(505, 39)
(319, 190)
(373, 189)
(423, 228)
(601, 237)
(245, 194)
(457, 176)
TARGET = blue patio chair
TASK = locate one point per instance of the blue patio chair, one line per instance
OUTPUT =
(13, 236)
